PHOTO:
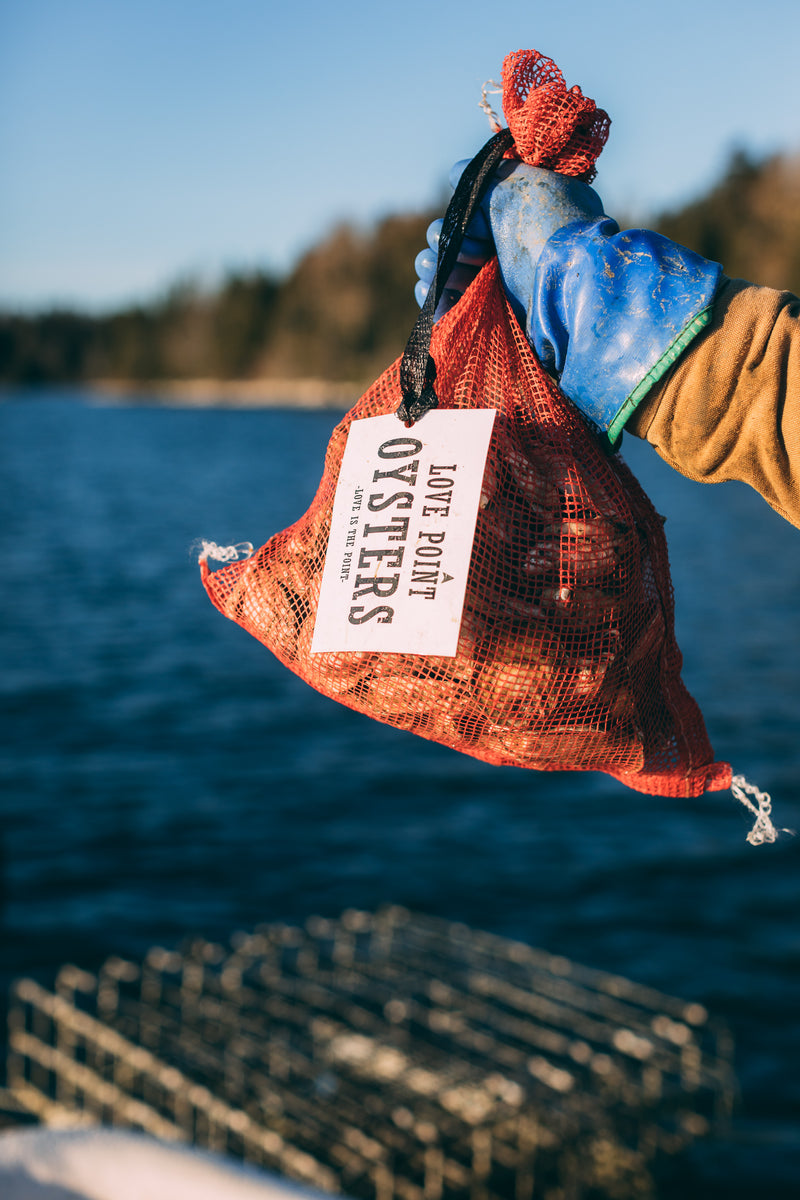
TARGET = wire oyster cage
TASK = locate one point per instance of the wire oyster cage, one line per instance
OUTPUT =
(380, 1055)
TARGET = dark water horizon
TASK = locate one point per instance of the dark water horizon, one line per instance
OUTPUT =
(164, 776)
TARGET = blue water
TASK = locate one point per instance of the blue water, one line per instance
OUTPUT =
(163, 775)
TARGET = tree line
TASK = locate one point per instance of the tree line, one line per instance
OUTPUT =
(345, 310)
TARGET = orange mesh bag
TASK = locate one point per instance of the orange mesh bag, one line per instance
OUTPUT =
(566, 655)
(555, 128)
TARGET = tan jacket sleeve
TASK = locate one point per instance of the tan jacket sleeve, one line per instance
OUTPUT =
(730, 407)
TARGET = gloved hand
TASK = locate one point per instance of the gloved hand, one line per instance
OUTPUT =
(519, 213)
(473, 255)
(476, 250)
(608, 313)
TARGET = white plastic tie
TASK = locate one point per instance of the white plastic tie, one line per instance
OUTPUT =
(491, 88)
(763, 830)
(224, 553)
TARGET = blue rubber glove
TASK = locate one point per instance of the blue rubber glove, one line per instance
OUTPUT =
(473, 255)
(522, 209)
(607, 312)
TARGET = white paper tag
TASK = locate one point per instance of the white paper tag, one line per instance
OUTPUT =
(400, 544)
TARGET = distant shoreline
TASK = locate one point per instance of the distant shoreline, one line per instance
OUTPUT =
(229, 393)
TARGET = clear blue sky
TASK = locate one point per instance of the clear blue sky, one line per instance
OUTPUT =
(146, 140)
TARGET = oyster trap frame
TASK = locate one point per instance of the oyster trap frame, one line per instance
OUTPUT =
(380, 1055)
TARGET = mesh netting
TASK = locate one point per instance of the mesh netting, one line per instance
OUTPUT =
(559, 129)
(567, 657)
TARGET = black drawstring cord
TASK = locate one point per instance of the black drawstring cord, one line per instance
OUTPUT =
(418, 370)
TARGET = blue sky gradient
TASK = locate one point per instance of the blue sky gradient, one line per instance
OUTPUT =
(143, 142)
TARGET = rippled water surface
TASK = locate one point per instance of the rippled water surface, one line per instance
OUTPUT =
(162, 774)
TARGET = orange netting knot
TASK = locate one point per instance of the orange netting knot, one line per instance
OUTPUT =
(553, 127)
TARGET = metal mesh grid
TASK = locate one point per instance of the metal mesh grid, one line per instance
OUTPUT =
(380, 1055)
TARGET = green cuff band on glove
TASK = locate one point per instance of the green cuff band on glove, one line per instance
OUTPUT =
(657, 372)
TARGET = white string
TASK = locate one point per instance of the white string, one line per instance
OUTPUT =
(491, 87)
(763, 830)
(224, 553)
